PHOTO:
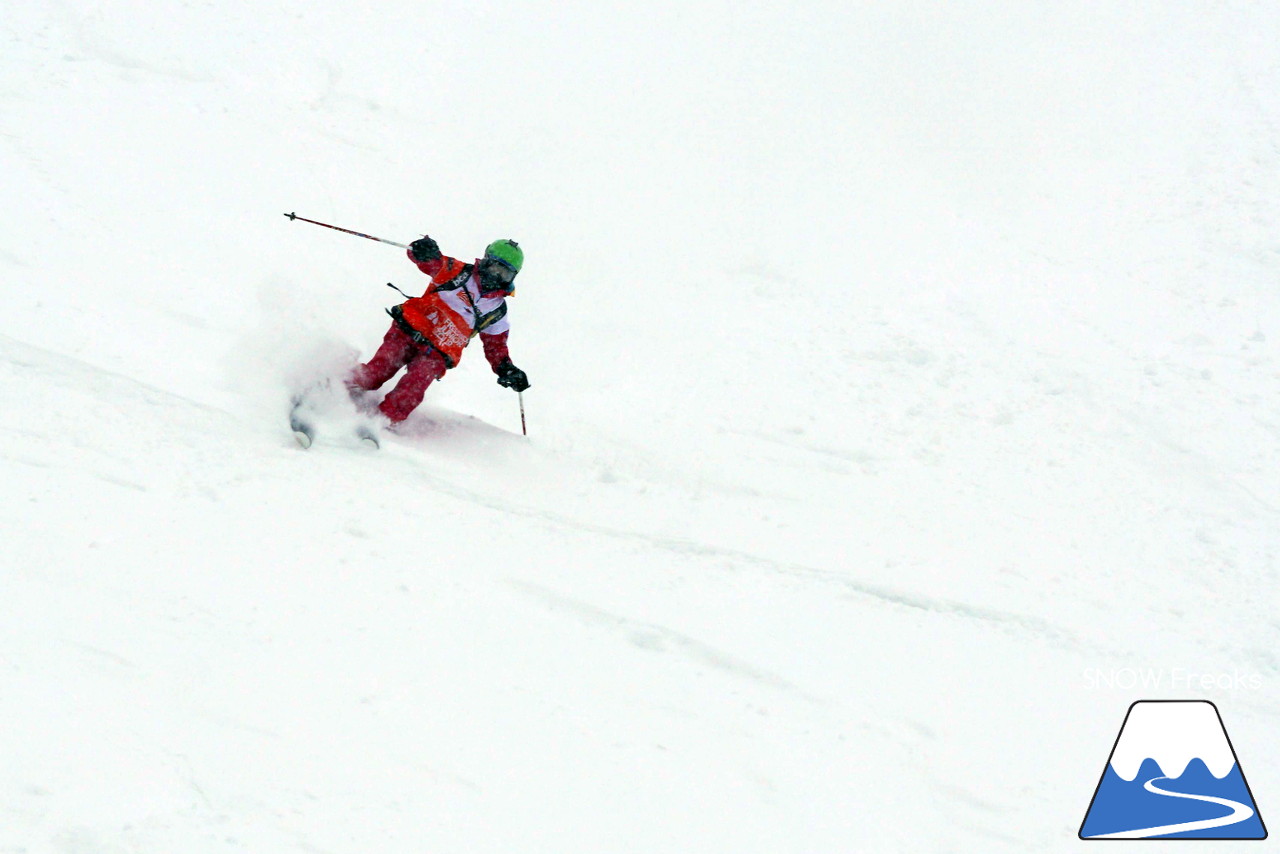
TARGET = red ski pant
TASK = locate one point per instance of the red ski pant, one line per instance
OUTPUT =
(425, 365)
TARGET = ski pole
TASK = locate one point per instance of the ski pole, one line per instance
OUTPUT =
(293, 216)
(524, 430)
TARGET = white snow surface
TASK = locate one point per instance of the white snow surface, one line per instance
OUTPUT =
(1172, 734)
(902, 373)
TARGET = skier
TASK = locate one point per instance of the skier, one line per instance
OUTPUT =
(428, 333)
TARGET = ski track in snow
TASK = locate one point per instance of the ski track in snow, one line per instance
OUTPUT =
(1029, 625)
(656, 638)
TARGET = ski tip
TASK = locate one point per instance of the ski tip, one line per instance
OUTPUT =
(303, 437)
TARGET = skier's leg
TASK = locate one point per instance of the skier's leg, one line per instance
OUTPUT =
(397, 349)
(405, 397)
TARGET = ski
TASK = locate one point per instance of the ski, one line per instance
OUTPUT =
(367, 437)
(303, 431)
(304, 428)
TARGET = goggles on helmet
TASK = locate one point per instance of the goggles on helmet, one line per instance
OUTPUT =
(498, 270)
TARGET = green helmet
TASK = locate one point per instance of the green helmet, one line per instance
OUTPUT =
(508, 252)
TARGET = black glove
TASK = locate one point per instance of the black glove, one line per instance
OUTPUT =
(512, 377)
(424, 249)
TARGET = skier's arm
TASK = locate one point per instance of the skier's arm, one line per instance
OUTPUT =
(495, 350)
(425, 253)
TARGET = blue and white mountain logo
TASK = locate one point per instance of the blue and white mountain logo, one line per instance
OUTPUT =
(1173, 774)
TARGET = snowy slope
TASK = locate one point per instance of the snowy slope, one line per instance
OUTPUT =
(904, 380)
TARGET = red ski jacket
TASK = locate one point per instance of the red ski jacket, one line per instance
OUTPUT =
(454, 309)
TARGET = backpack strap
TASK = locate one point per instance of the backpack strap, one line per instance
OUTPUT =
(458, 281)
(485, 321)
(480, 320)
